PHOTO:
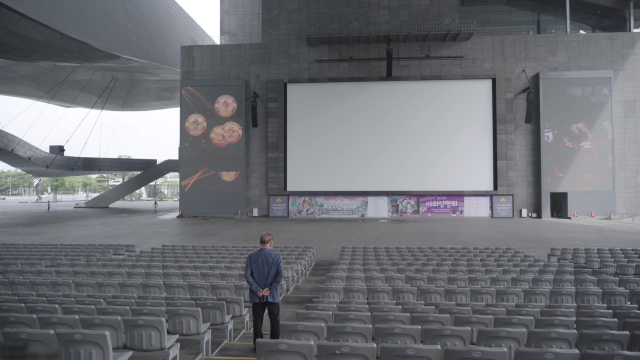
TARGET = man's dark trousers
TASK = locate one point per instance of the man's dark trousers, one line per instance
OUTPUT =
(258, 317)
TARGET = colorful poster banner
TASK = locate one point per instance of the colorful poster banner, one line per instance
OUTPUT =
(327, 206)
(477, 206)
(441, 204)
(404, 206)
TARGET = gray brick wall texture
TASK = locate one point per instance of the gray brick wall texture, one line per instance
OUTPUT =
(284, 55)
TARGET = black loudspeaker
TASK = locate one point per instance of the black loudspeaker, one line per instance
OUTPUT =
(389, 62)
(528, 117)
(254, 110)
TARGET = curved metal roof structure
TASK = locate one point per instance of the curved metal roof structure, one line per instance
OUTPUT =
(28, 158)
(138, 42)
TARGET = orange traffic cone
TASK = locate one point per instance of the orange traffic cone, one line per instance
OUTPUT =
(592, 213)
(239, 213)
(575, 214)
(180, 216)
(554, 215)
(610, 214)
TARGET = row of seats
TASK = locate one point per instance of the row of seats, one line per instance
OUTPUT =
(460, 336)
(602, 282)
(510, 295)
(307, 350)
(173, 288)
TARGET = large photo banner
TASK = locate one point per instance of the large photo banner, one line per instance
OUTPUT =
(327, 206)
(212, 149)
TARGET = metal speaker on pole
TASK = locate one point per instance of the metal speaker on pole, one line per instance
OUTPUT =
(254, 110)
(528, 117)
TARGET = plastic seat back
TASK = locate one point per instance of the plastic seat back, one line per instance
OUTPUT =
(284, 349)
(338, 351)
(213, 312)
(350, 333)
(502, 337)
(410, 352)
(19, 321)
(145, 334)
(475, 352)
(397, 334)
(514, 322)
(546, 354)
(112, 324)
(552, 339)
(324, 317)
(303, 331)
(596, 324)
(59, 322)
(446, 336)
(603, 340)
(357, 318)
(185, 321)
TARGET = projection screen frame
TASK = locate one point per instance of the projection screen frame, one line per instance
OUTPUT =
(491, 77)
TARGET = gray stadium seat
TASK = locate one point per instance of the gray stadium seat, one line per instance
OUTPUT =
(78, 343)
(385, 309)
(610, 355)
(324, 317)
(214, 312)
(489, 311)
(7, 308)
(352, 318)
(567, 313)
(446, 336)
(186, 321)
(122, 311)
(111, 324)
(120, 302)
(267, 349)
(148, 312)
(347, 308)
(40, 341)
(475, 322)
(430, 319)
(552, 339)
(587, 314)
(390, 319)
(547, 354)
(408, 352)
(37, 309)
(397, 334)
(93, 302)
(514, 322)
(502, 337)
(59, 322)
(603, 340)
(138, 330)
(596, 324)
(350, 333)
(475, 352)
(338, 351)
(152, 287)
(303, 331)
(535, 313)
(18, 321)
(80, 310)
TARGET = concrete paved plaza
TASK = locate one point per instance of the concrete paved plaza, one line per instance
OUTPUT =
(135, 222)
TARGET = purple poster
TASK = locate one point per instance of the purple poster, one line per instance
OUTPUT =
(442, 204)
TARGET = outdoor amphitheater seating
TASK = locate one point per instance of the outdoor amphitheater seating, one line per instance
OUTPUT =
(285, 349)
(59, 322)
(341, 351)
(77, 343)
(544, 354)
(112, 324)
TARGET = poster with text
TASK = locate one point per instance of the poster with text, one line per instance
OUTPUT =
(327, 206)
(477, 206)
(404, 206)
(378, 207)
(452, 205)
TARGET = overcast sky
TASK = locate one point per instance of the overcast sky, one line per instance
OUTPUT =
(140, 134)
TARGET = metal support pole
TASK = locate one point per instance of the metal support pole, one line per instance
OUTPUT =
(568, 18)
(632, 20)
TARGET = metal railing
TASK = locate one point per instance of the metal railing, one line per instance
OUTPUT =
(392, 28)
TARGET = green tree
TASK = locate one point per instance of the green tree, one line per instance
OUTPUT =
(72, 184)
(87, 182)
(57, 183)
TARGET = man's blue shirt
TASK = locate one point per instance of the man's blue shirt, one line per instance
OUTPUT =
(264, 270)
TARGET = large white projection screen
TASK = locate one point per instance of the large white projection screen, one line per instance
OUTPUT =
(432, 135)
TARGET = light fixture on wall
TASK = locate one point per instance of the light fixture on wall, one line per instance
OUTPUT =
(528, 116)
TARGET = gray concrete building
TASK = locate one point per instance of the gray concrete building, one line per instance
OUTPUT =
(511, 36)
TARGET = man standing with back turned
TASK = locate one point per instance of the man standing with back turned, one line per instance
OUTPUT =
(264, 274)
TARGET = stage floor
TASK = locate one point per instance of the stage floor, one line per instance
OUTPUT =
(135, 222)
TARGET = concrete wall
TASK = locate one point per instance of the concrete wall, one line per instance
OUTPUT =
(284, 54)
(241, 21)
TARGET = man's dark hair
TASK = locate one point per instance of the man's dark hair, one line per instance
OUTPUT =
(265, 239)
